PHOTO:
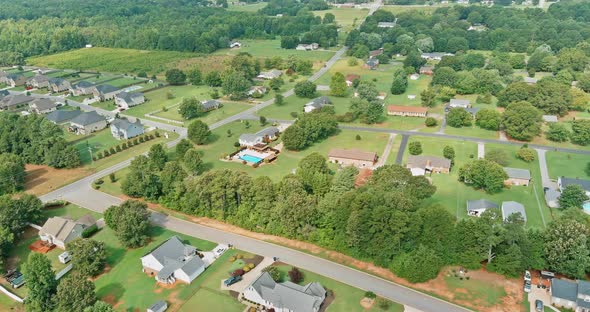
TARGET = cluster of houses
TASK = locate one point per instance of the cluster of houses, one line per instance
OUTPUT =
(477, 207)
(571, 295)
(84, 123)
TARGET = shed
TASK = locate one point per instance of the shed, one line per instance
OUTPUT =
(159, 306)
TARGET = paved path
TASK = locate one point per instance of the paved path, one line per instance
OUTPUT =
(544, 170)
(402, 148)
(386, 151)
(481, 150)
(443, 125)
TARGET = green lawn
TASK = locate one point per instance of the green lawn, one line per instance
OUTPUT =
(348, 18)
(206, 299)
(112, 60)
(126, 285)
(123, 82)
(567, 165)
(106, 105)
(271, 48)
(71, 211)
(157, 99)
(251, 7)
(227, 110)
(479, 292)
(382, 76)
(473, 131)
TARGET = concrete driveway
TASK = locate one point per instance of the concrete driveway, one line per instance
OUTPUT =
(249, 277)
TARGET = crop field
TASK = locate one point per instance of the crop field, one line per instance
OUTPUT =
(112, 60)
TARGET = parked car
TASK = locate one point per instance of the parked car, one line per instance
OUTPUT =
(527, 276)
(527, 286)
(539, 306)
(232, 280)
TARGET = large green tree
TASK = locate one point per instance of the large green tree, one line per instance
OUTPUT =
(75, 293)
(130, 221)
(40, 282)
(175, 76)
(400, 82)
(483, 174)
(88, 256)
(338, 85)
(566, 247)
(522, 121)
(198, 132)
(572, 196)
(12, 174)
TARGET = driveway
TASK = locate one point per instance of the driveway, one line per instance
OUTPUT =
(249, 277)
(544, 170)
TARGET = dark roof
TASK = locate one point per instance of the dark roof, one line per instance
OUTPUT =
(584, 292)
(43, 104)
(4, 93)
(58, 81)
(60, 116)
(564, 289)
(210, 104)
(424, 162)
(480, 204)
(585, 184)
(319, 102)
(84, 84)
(289, 295)
(124, 123)
(517, 173)
(106, 88)
(372, 62)
(14, 99)
(87, 118)
(128, 97)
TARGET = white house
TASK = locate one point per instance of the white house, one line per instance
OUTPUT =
(286, 296)
(173, 261)
(159, 306)
(60, 231)
(271, 74)
(126, 100)
(263, 136)
(459, 103)
(235, 44)
(307, 47)
(317, 103)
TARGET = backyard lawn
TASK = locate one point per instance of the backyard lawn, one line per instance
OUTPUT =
(567, 164)
(158, 99)
(227, 110)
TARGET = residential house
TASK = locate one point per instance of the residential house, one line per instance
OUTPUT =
(550, 118)
(173, 261)
(477, 207)
(511, 207)
(82, 88)
(375, 53)
(235, 44)
(263, 136)
(411, 96)
(58, 85)
(38, 81)
(307, 47)
(87, 122)
(412, 111)
(420, 165)
(123, 129)
(3, 94)
(15, 80)
(60, 231)
(159, 306)
(14, 101)
(271, 74)
(350, 78)
(435, 56)
(210, 105)
(60, 117)
(473, 110)
(414, 77)
(517, 176)
(317, 103)
(563, 182)
(463, 103)
(530, 80)
(386, 24)
(125, 100)
(381, 96)
(258, 90)
(477, 27)
(42, 106)
(427, 70)
(352, 157)
(574, 296)
(105, 92)
(371, 64)
(285, 296)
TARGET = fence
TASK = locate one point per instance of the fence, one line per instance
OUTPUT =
(11, 295)
(63, 272)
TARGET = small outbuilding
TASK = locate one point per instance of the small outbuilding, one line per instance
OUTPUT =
(477, 207)
(511, 207)
(159, 306)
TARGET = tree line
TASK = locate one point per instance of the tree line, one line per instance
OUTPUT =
(385, 221)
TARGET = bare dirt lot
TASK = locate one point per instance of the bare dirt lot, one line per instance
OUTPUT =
(43, 179)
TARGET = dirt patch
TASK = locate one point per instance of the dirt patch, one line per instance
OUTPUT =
(110, 299)
(254, 260)
(330, 297)
(234, 294)
(363, 177)
(42, 179)
(106, 270)
(205, 64)
(367, 303)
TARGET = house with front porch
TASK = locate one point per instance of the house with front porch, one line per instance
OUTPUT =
(173, 261)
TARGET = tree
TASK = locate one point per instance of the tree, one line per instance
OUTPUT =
(175, 76)
(130, 222)
(276, 83)
(235, 84)
(526, 154)
(557, 132)
(522, 121)
(483, 174)
(213, 79)
(99, 306)
(295, 276)
(294, 138)
(420, 265)
(414, 59)
(430, 121)
(449, 152)
(458, 117)
(415, 148)
(498, 156)
(198, 132)
(158, 157)
(367, 91)
(444, 76)
(573, 196)
(338, 85)
(400, 82)
(40, 282)
(305, 89)
(274, 273)
(580, 132)
(12, 174)
(183, 146)
(584, 82)
(88, 256)
(190, 108)
(488, 119)
(428, 97)
(75, 293)
(195, 77)
(329, 18)
(566, 247)
(193, 162)
(172, 177)
(279, 99)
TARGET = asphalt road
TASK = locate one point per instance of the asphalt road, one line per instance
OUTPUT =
(402, 147)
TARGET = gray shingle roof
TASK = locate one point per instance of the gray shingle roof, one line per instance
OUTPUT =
(128, 97)
(158, 306)
(61, 116)
(87, 118)
(192, 266)
(106, 88)
(44, 104)
(584, 292)
(512, 207)
(585, 184)
(210, 104)
(564, 289)
(39, 78)
(517, 173)
(288, 295)
(460, 102)
(14, 99)
(319, 102)
(480, 204)
(3, 93)
(59, 81)
(550, 118)
(172, 255)
(124, 123)
(424, 162)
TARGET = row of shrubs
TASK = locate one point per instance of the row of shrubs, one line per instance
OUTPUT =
(125, 145)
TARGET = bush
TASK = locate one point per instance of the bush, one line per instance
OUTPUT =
(294, 114)
(430, 122)
(141, 139)
(251, 265)
(239, 256)
(124, 145)
(232, 259)
(415, 148)
(135, 141)
(246, 269)
(383, 304)
(295, 275)
(112, 150)
(238, 272)
(237, 144)
(99, 155)
(99, 181)
(358, 137)
(112, 177)
(370, 295)
(89, 231)
(526, 154)
(152, 137)
(106, 153)
(157, 134)
(118, 148)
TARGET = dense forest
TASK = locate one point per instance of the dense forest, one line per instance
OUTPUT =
(33, 28)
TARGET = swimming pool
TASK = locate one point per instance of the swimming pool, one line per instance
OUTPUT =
(586, 207)
(250, 158)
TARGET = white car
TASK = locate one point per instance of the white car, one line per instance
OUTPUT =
(527, 276)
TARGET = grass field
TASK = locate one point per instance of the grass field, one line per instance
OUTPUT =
(475, 290)
(251, 7)
(271, 48)
(228, 109)
(427, 9)
(567, 165)
(348, 18)
(112, 60)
